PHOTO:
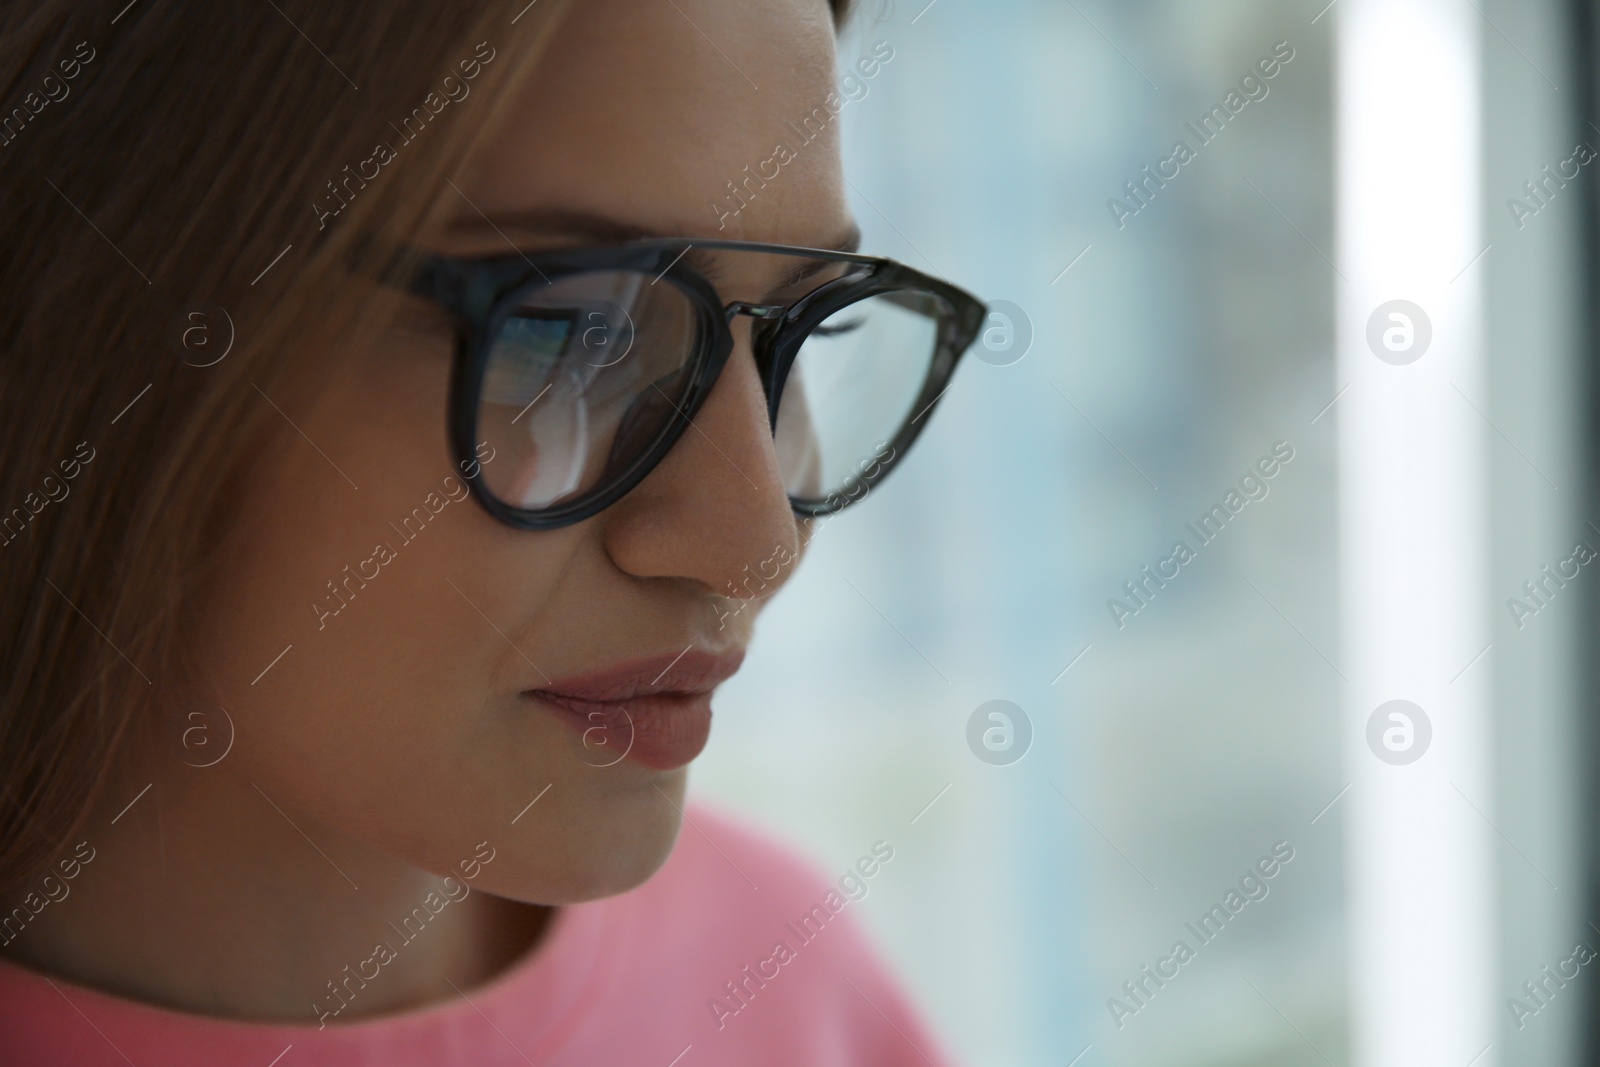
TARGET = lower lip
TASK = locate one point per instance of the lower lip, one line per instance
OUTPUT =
(662, 732)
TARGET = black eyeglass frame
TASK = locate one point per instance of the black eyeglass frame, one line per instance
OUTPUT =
(481, 292)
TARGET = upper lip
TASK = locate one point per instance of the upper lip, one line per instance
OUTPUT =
(688, 672)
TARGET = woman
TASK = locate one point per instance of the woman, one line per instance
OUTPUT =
(396, 413)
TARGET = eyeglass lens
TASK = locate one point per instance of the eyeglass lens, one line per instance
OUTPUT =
(853, 385)
(586, 373)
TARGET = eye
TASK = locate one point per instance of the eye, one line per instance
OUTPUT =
(836, 329)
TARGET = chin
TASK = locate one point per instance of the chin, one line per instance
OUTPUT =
(596, 856)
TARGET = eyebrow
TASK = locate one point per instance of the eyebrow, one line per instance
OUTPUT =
(606, 229)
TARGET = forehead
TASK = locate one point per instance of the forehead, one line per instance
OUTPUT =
(656, 112)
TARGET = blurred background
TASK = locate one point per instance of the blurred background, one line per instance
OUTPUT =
(1151, 352)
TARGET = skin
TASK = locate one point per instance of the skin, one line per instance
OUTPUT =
(383, 748)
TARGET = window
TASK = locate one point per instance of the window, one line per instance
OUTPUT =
(1281, 404)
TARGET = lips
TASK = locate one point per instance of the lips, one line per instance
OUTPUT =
(654, 711)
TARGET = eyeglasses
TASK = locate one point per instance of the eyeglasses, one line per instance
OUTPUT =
(581, 368)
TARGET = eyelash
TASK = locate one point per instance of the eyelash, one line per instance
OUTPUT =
(839, 330)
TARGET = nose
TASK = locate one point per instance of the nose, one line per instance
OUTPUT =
(714, 512)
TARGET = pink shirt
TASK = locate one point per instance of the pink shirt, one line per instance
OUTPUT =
(685, 971)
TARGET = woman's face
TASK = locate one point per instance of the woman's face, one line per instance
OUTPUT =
(404, 721)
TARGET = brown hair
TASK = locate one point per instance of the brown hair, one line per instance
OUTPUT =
(156, 161)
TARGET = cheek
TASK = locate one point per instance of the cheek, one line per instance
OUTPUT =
(381, 698)
(327, 627)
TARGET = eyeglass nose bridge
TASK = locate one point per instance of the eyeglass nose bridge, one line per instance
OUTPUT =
(755, 311)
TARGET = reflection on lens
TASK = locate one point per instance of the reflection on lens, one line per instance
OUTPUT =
(852, 387)
(580, 381)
